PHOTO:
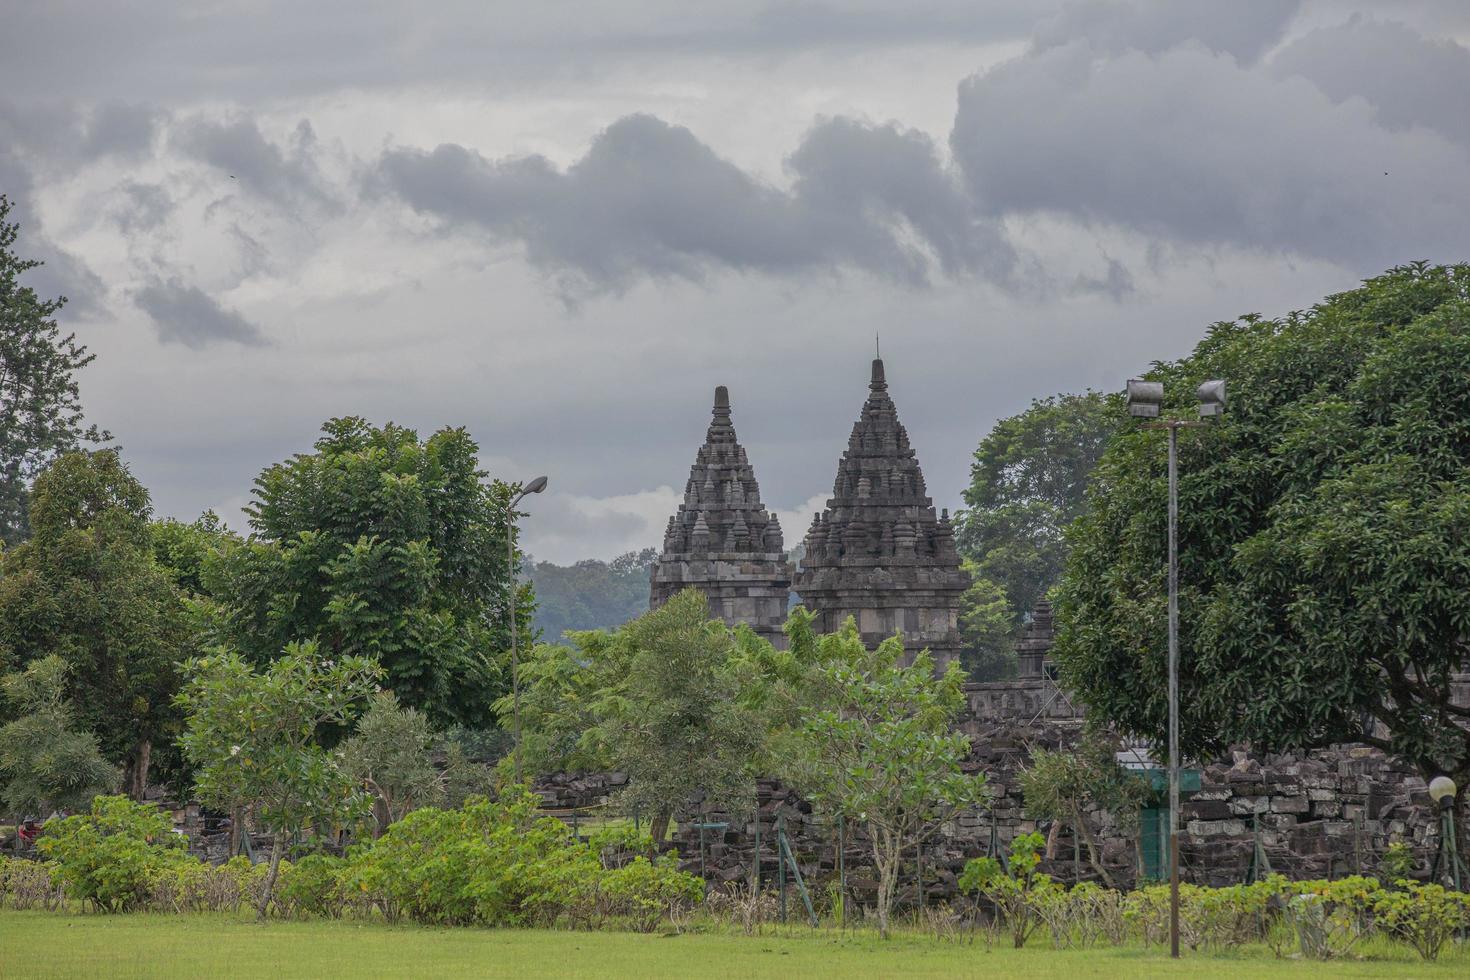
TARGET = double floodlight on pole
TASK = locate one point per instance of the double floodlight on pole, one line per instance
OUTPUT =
(535, 486)
(1146, 401)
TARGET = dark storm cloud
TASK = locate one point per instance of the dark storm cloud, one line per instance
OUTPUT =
(244, 49)
(1409, 79)
(650, 199)
(1196, 149)
(240, 153)
(187, 315)
(1242, 28)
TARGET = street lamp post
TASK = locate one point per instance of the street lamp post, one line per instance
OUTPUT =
(535, 486)
(1442, 790)
(1146, 400)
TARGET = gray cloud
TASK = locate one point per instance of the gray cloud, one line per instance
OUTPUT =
(121, 128)
(650, 199)
(187, 315)
(1194, 148)
(1241, 28)
(1409, 79)
(141, 207)
(240, 153)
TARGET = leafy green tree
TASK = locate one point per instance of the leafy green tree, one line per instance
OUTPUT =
(1324, 554)
(877, 746)
(377, 544)
(591, 594)
(185, 549)
(45, 762)
(40, 409)
(987, 629)
(1028, 482)
(254, 735)
(1063, 785)
(86, 588)
(657, 699)
(389, 753)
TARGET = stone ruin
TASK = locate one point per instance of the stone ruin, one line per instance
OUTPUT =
(877, 553)
(723, 541)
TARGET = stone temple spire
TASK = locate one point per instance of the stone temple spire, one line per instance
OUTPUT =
(879, 553)
(723, 541)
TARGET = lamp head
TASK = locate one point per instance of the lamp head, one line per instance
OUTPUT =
(1145, 398)
(1211, 396)
(1442, 789)
(535, 486)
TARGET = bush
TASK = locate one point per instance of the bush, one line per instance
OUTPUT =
(1020, 894)
(1424, 916)
(502, 863)
(27, 885)
(111, 856)
(314, 886)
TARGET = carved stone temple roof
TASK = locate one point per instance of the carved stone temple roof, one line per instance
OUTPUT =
(723, 541)
(878, 552)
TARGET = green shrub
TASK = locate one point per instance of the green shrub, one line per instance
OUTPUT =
(111, 856)
(314, 886)
(1424, 916)
(26, 884)
(502, 863)
(1021, 895)
(1397, 862)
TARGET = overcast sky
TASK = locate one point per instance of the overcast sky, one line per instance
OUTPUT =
(562, 224)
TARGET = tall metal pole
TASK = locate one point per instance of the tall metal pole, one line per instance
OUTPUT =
(1173, 692)
(515, 664)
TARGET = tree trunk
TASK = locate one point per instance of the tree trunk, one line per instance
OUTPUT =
(136, 777)
(237, 825)
(658, 827)
(278, 845)
(1051, 839)
(1091, 843)
(382, 816)
(887, 863)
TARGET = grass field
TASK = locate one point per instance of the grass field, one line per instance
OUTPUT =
(38, 944)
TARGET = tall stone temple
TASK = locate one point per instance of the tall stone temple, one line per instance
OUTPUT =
(878, 552)
(722, 541)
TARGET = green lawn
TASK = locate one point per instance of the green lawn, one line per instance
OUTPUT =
(38, 944)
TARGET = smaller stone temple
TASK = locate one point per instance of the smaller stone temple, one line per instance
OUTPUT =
(878, 552)
(723, 541)
(1033, 652)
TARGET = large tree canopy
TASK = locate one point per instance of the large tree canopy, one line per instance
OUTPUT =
(1324, 535)
(1028, 482)
(591, 594)
(86, 588)
(40, 414)
(379, 545)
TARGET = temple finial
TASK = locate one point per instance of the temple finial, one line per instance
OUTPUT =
(878, 379)
(722, 397)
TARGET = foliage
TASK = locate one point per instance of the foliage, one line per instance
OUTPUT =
(1397, 862)
(253, 738)
(1028, 482)
(40, 407)
(195, 886)
(876, 746)
(1018, 891)
(1324, 563)
(389, 754)
(1424, 916)
(86, 587)
(108, 857)
(379, 545)
(1064, 785)
(45, 763)
(501, 863)
(26, 884)
(464, 777)
(591, 594)
(315, 886)
(656, 699)
(987, 629)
